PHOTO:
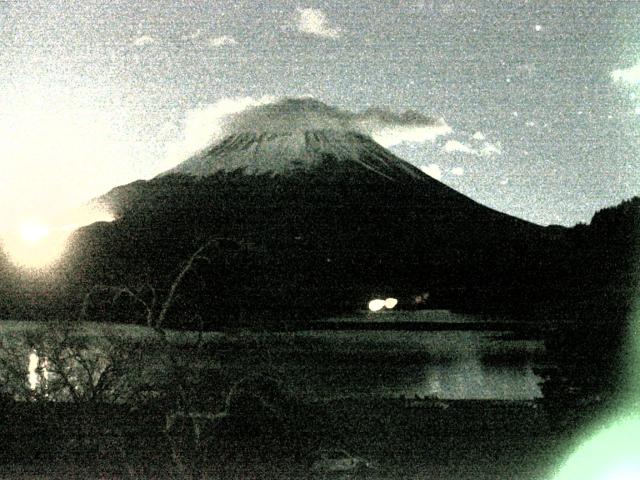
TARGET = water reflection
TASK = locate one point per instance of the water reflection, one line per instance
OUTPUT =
(38, 370)
(34, 360)
(443, 365)
(471, 379)
(448, 364)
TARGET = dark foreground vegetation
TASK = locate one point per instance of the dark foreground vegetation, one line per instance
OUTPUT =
(381, 439)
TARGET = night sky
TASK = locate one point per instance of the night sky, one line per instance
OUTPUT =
(540, 97)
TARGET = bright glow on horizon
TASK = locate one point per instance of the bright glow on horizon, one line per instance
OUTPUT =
(378, 304)
(33, 232)
(35, 245)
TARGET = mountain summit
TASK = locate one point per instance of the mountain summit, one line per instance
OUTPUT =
(298, 151)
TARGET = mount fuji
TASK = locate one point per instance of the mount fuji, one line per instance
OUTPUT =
(314, 221)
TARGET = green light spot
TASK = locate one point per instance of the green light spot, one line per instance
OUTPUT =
(613, 453)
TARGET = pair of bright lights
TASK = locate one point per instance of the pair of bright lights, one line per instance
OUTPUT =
(378, 304)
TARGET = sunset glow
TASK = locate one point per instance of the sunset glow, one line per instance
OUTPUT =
(34, 232)
(35, 244)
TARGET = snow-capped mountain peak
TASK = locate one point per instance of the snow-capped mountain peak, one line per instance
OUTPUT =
(256, 153)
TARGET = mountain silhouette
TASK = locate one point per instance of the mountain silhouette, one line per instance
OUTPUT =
(312, 223)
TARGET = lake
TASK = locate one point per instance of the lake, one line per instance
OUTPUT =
(424, 354)
(374, 354)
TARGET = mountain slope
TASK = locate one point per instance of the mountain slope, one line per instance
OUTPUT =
(321, 221)
(322, 157)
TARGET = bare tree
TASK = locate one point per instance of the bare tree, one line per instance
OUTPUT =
(79, 366)
(155, 317)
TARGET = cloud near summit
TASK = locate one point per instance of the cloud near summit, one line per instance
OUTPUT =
(314, 22)
(209, 124)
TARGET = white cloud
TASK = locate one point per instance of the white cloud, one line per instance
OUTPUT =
(457, 171)
(389, 136)
(314, 22)
(432, 170)
(143, 40)
(300, 114)
(207, 125)
(629, 75)
(489, 149)
(222, 41)
(456, 146)
(478, 136)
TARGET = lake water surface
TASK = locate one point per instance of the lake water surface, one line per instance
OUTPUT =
(391, 354)
(444, 364)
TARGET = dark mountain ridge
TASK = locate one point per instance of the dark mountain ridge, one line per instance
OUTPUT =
(322, 221)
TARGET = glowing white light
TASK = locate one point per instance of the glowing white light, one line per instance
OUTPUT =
(33, 232)
(35, 244)
(376, 305)
(624, 472)
(457, 171)
(538, 28)
(390, 302)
